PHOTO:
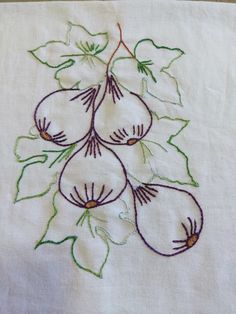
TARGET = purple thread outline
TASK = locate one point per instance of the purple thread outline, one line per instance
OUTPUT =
(176, 189)
(77, 152)
(142, 135)
(43, 99)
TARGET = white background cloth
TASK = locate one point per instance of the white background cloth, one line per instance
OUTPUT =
(200, 281)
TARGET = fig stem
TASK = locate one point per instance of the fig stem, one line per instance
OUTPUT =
(121, 42)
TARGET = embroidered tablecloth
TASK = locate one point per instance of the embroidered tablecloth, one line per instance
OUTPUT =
(117, 157)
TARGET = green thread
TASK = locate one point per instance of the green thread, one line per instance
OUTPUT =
(18, 182)
(99, 273)
(73, 239)
(82, 218)
(170, 142)
(86, 215)
(143, 68)
(133, 177)
(64, 154)
(87, 58)
(159, 145)
(67, 43)
(88, 55)
(90, 225)
(55, 211)
(15, 148)
(145, 150)
(40, 159)
(67, 65)
(105, 34)
(89, 51)
(158, 47)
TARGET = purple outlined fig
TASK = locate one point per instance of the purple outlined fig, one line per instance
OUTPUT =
(122, 117)
(93, 176)
(64, 116)
(169, 220)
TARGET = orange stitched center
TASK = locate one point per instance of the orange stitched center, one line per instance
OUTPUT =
(132, 141)
(192, 240)
(90, 204)
(46, 136)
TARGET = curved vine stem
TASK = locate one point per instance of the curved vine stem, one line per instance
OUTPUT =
(121, 42)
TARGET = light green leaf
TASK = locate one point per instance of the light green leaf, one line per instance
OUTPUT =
(151, 63)
(76, 59)
(79, 42)
(88, 43)
(33, 180)
(159, 156)
(90, 231)
(52, 53)
(86, 71)
(41, 162)
(166, 159)
(89, 249)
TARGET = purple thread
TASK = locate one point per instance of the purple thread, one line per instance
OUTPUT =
(136, 218)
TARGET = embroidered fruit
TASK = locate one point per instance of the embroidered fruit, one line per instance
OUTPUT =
(169, 220)
(93, 176)
(122, 118)
(64, 117)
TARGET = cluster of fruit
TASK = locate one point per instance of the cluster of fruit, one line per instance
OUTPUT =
(95, 119)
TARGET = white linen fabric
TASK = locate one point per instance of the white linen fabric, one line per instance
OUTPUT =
(118, 193)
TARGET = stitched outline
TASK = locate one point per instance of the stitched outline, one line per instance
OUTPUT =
(147, 71)
(182, 249)
(93, 142)
(73, 239)
(169, 141)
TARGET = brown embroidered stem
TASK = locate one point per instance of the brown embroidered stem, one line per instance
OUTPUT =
(121, 42)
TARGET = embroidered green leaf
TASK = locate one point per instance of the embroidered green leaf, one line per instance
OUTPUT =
(145, 151)
(32, 181)
(89, 231)
(159, 156)
(29, 147)
(166, 159)
(76, 56)
(151, 63)
(61, 154)
(89, 250)
(40, 166)
(78, 36)
(87, 70)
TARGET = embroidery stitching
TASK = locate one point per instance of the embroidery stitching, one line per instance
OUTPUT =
(97, 103)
